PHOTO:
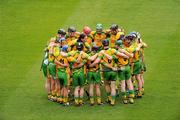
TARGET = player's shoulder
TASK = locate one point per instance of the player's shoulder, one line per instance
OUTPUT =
(52, 39)
(93, 32)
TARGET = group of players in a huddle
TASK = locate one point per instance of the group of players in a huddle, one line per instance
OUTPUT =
(80, 62)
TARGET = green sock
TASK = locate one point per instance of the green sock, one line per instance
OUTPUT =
(76, 98)
(131, 91)
(113, 97)
(81, 97)
(123, 93)
(108, 94)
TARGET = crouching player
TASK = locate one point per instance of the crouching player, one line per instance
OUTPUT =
(94, 78)
(44, 65)
(124, 72)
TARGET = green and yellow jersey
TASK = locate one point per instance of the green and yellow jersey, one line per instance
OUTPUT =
(96, 67)
(104, 59)
(114, 38)
(84, 57)
(54, 50)
(89, 39)
(72, 45)
(71, 38)
(124, 61)
(136, 55)
(98, 38)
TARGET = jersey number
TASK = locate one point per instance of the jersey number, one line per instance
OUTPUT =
(62, 61)
(109, 61)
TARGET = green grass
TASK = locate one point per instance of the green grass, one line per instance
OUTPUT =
(26, 26)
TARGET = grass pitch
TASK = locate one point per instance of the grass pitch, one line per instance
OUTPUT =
(27, 25)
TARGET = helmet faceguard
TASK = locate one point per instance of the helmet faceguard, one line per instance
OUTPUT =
(64, 48)
(61, 32)
(99, 28)
(86, 30)
(79, 46)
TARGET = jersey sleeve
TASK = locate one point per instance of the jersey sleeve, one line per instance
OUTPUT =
(114, 51)
(71, 59)
(87, 45)
(73, 42)
(85, 56)
(71, 53)
(58, 57)
(100, 55)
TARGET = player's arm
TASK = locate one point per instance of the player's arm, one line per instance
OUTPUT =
(139, 47)
(92, 58)
(119, 53)
(86, 56)
(106, 55)
(79, 65)
(144, 45)
(78, 60)
(67, 54)
(126, 52)
(95, 62)
(61, 64)
(109, 66)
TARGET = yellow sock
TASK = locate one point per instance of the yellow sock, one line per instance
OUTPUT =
(80, 101)
(92, 100)
(76, 101)
(65, 100)
(53, 93)
(109, 98)
(131, 95)
(98, 100)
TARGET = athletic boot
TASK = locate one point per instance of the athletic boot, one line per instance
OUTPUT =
(99, 102)
(139, 94)
(109, 99)
(91, 101)
(80, 102)
(49, 96)
(76, 100)
(131, 100)
(112, 102)
(124, 99)
(142, 91)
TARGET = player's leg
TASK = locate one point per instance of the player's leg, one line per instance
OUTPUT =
(91, 87)
(113, 92)
(97, 81)
(113, 86)
(91, 93)
(65, 88)
(76, 88)
(52, 72)
(47, 82)
(48, 86)
(129, 84)
(136, 72)
(82, 82)
(81, 95)
(65, 95)
(131, 90)
(76, 95)
(138, 78)
(121, 75)
(59, 83)
(107, 86)
(58, 90)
